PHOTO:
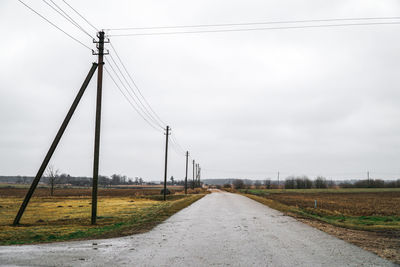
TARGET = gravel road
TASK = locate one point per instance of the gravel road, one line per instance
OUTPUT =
(221, 229)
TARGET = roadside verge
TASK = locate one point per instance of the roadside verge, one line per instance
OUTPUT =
(65, 219)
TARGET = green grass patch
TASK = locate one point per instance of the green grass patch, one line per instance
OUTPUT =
(369, 223)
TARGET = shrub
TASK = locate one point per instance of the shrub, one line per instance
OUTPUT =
(238, 184)
(290, 183)
(320, 182)
(227, 185)
(267, 183)
(300, 182)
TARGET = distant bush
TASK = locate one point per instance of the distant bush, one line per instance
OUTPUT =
(302, 182)
(196, 191)
(371, 183)
(290, 182)
(392, 184)
(267, 183)
(227, 185)
(320, 182)
(346, 185)
(238, 184)
(167, 192)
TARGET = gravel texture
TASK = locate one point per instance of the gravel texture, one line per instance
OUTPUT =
(221, 229)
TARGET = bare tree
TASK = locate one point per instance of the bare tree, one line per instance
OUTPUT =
(52, 176)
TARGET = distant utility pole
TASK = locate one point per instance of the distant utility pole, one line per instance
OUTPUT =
(100, 53)
(193, 174)
(186, 173)
(197, 174)
(166, 162)
(368, 177)
(278, 180)
(54, 144)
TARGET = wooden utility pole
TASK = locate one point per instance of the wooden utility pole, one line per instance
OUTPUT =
(199, 176)
(100, 53)
(193, 174)
(278, 180)
(187, 159)
(166, 162)
(54, 145)
(197, 173)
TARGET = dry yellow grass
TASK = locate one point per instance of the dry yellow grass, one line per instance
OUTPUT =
(64, 218)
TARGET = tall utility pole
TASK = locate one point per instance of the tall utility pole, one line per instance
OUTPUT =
(187, 158)
(100, 53)
(197, 173)
(278, 180)
(193, 174)
(54, 144)
(166, 162)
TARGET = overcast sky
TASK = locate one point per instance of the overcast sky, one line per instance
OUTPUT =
(321, 101)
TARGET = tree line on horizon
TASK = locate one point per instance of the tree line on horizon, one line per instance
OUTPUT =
(303, 182)
(52, 177)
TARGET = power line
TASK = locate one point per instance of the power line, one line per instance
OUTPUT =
(153, 119)
(137, 88)
(129, 101)
(175, 144)
(54, 25)
(140, 104)
(64, 14)
(136, 106)
(79, 14)
(252, 23)
(257, 29)
(176, 149)
(173, 137)
(133, 96)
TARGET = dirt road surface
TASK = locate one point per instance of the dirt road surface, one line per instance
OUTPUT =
(221, 229)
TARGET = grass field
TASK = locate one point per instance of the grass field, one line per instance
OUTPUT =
(60, 218)
(20, 191)
(6, 185)
(315, 190)
(362, 209)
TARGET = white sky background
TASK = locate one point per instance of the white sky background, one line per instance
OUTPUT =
(245, 104)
